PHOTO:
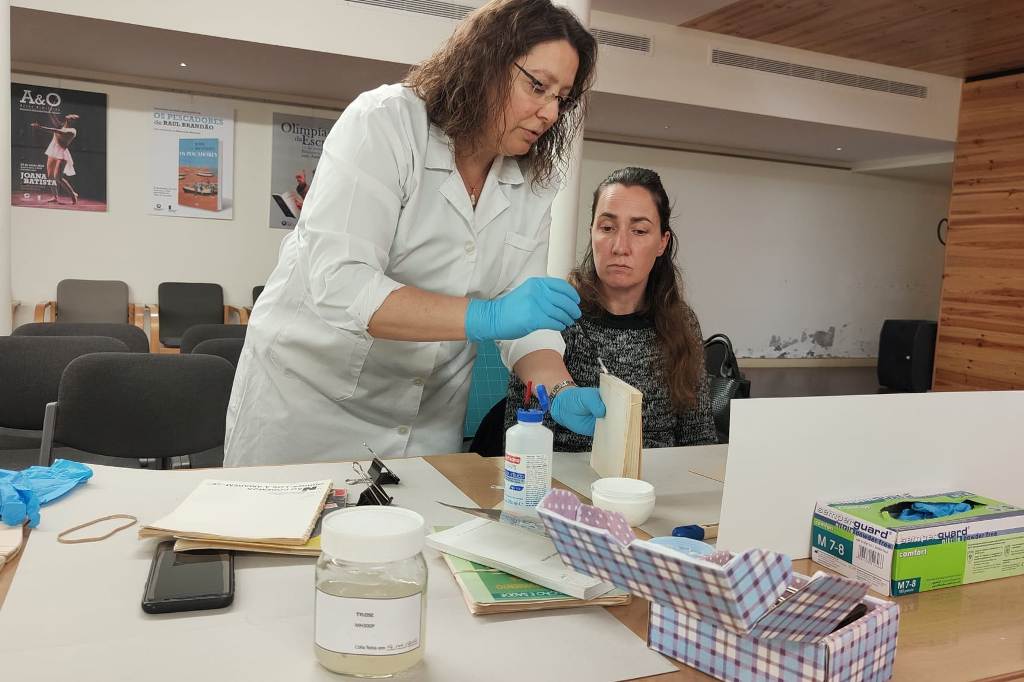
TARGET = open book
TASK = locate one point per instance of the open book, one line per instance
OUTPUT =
(519, 552)
(245, 511)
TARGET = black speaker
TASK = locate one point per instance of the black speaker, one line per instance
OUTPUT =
(906, 353)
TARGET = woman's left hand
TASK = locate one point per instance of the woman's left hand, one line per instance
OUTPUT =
(578, 408)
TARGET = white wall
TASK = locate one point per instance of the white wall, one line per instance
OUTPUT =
(809, 248)
(128, 244)
(780, 250)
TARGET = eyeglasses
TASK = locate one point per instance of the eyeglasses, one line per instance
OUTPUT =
(543, 97)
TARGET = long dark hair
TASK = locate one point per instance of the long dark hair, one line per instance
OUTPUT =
(674, 323)
(467, 82)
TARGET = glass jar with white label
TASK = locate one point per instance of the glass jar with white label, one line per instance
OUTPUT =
(371, 591)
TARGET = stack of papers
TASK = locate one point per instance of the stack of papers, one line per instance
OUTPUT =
(489, 590)
(618, 436)
(518, 552)
(248, 515)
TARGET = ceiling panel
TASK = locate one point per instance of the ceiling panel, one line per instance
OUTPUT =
(962, 38)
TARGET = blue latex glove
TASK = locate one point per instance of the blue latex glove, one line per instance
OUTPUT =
(23, 492)
(919, 511)
(537, 303)
(578, 408)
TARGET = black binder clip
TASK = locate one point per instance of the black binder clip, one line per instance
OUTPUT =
(380, 473)
(374, 493)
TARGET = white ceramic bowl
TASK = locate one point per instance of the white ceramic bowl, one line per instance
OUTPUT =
(632, 498)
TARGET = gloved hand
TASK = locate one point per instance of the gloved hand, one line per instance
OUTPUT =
(22, 492)
(537, 303)
(578, 408)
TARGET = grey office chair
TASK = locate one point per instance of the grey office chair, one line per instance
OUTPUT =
(196, 334)
(30, 372)
(89, 300)
(229, 349)
(136, 406)
(133, 337)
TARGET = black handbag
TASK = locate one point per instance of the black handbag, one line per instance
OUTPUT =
(725, 381)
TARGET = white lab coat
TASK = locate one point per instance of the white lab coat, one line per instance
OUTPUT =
(386, 208)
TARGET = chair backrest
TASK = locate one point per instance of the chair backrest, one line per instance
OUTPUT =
(30, 372)
(198, 333)
(229, 349)
(140, 406)
(92, 300)
(132, 336)
(184, 304)
(256, 291)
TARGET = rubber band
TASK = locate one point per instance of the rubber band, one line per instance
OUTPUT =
(131, 522)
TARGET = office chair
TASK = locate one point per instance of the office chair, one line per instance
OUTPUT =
(196, 334)
(136, 406)
(30, 372)
(133, 337)
(181, 305)
(89, 300)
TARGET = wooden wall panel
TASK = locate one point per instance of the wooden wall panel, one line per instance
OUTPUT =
(981, 320)
(953, 37)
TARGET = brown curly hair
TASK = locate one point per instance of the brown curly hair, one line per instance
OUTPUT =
(467, 82)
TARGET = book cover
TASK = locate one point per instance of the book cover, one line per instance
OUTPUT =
(246, 511)
(199, 172)
(490, 590)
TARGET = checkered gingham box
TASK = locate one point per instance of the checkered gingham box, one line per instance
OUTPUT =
(736, 617)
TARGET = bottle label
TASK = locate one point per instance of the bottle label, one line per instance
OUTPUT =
(369, 627)
(527, 479)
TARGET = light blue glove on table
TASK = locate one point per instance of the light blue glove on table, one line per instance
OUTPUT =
(22, 492)
(578, 408)
(537, 303)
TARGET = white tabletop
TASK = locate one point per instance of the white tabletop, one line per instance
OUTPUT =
(75, 609)
(682, 498)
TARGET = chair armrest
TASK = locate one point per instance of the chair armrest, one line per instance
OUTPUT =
(243, 315)
(40, 315)
(230, 310)
(153, 310)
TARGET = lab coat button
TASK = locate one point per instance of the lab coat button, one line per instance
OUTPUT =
(417, 381)
(402, 430)
(470, 247)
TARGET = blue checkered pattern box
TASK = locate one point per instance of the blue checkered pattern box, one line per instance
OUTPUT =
(735, 617)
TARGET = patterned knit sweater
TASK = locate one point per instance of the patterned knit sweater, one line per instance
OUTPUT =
(628, 345)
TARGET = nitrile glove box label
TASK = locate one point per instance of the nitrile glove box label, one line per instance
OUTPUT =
(866, 539)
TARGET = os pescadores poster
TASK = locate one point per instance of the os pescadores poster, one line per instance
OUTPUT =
(58, 148)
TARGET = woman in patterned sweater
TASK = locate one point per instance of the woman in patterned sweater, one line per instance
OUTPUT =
(635, 317)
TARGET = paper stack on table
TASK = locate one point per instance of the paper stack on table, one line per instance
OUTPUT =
(246, 515)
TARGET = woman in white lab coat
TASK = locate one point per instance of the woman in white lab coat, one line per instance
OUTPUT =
(424, 230)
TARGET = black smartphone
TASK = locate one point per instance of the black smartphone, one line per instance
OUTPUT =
(189, 581)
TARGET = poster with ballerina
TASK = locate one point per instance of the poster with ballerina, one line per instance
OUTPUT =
(58, 148)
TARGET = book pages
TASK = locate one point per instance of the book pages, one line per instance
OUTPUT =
(618, 437)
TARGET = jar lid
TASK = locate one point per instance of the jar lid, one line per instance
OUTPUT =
(372, 534)
(622, 489)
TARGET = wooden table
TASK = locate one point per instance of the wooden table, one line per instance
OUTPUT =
(972, 632)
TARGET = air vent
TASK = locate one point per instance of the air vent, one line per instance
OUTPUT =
(446, 10)
(451, 10)
(626, 41)
(852, 80)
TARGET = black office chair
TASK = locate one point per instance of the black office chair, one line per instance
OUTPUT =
(30, 372)
(229, 349)
(199, 333)
(247, 310)
(725, 381)
(135, 406)
(133, 337)
(182, 305)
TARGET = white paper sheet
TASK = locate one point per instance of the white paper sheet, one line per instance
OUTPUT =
(73, 610)
(787, 453)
